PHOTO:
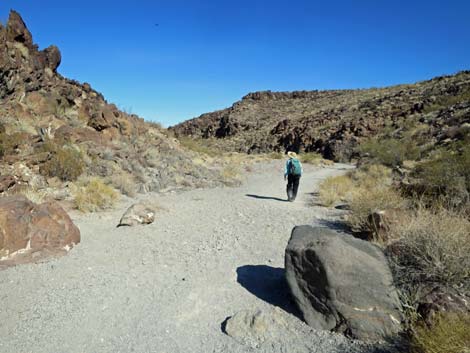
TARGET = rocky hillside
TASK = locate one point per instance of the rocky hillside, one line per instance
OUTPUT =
(334, 122)
(54, 130)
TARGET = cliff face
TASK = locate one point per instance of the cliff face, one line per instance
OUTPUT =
(334, 122)
(39, 107)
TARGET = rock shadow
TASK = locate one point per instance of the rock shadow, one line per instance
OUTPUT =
(268, 284)
(266, 197)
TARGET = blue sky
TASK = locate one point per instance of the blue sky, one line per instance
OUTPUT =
(205, 55)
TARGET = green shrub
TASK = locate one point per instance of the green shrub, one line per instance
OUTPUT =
(390, 152)
(310, 158)
(449, 333)
(446, 177)
(94, 195)
(65, 162)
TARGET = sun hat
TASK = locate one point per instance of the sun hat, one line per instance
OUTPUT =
(292, 154)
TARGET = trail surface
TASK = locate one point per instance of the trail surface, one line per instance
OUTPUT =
(168, 287)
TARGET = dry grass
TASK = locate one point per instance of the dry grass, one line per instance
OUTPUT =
(124, 182)
(334, 189)
(364, 201)
(66, 161)
(311, 158)
(33, 195)
(94, 195)
(432, 247)
(231, 175)
(450, 333)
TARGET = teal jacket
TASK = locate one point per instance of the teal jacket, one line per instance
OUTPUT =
(287, 167)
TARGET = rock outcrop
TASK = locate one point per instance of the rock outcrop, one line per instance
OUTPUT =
(334, 122)
(29, 231)
(341, 283)
(42, 113)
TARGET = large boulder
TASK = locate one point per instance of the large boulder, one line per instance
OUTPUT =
(29, 231)
(341, 283)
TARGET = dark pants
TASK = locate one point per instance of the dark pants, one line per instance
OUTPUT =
(292, 186)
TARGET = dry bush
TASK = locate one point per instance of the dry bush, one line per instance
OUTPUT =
(433, 247)
(231, 175)
(372, 175)
(65, 162)
(449, 333)
(334, 189)
(311, 158)
(198, 145)
(124, 182)
(446, 177)
(94, 195)
(364, 201)
(275, 155)
(33, 195)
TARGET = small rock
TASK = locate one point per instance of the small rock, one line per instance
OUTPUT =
(139, 213)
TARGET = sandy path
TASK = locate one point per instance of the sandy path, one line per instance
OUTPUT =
(168, 286)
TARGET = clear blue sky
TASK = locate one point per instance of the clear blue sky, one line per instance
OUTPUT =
(205, 55)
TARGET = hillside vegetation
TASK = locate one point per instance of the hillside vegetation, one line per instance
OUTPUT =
(54, 131)
(333, 123)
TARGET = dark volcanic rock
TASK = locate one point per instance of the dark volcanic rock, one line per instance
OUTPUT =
(334, 122)
(27, 229)
(342, 283)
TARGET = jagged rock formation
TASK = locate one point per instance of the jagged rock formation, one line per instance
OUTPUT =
(334, 122)
(40, 108)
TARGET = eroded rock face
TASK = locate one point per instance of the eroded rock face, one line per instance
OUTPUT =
(341, 283)
(334, 122)
(28, 231)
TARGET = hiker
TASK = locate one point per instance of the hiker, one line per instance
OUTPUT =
(292, 173)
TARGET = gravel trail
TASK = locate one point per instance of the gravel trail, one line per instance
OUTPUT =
(168, 287)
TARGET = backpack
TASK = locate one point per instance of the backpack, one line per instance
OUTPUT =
(294, 167)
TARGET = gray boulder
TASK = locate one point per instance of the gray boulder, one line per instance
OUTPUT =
(341, 283)
(139, 213)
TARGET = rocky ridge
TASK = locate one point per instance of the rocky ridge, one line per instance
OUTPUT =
(334, 122)
(42, 113)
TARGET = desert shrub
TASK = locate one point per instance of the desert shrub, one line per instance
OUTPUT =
(334, 189)
(94, 195)
(363, 201)
(390, 152)
(371, 175)
(124, 182)
(311, 158)
(66, 162)
(198, 145)
(445, 177)
(432, 247)
(275, 155)
(8, 143)
(231, 175)
(449, 333)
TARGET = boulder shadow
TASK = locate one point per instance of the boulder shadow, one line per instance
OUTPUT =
(266, 197)
(268, 284)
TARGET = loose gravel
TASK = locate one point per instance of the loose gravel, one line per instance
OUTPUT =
(168, 287)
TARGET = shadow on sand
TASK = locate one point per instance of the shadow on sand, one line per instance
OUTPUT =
(266, 197)
(269, 284)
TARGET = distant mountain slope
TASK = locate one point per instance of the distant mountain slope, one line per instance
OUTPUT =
(333, 122)
(43, 115)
